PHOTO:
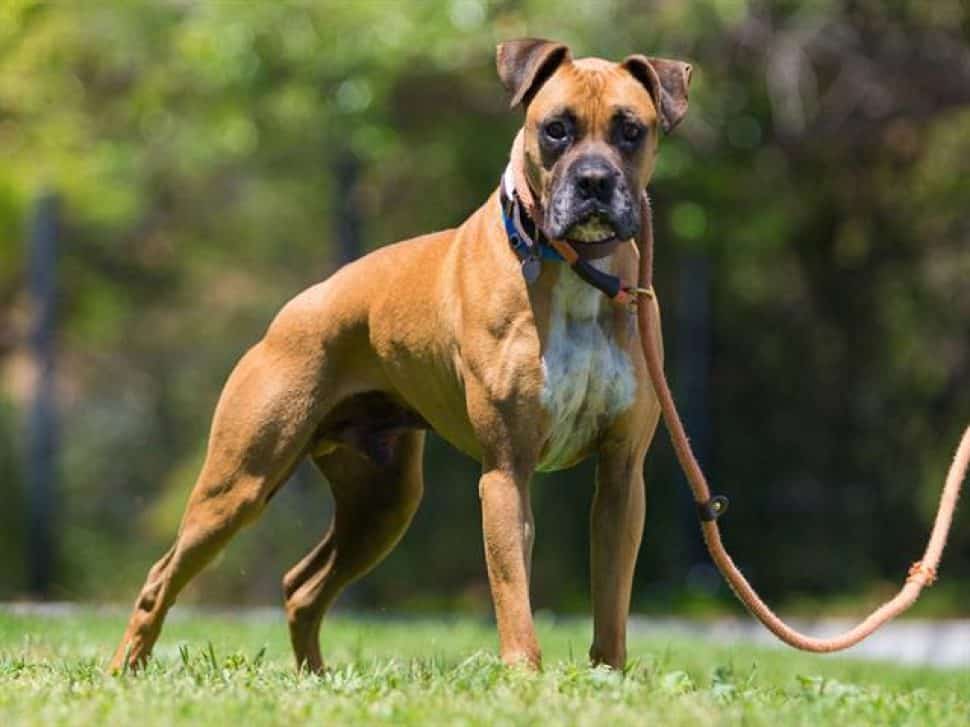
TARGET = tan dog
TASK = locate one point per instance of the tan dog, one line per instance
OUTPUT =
(445, 332)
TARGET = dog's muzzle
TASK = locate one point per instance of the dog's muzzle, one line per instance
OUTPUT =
(592, 204)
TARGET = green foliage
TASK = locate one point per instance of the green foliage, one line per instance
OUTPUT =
(220, 671)
(821, 175)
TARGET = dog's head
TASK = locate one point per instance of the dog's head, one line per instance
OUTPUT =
(591, 131)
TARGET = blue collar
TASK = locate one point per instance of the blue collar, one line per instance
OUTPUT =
(525, 238)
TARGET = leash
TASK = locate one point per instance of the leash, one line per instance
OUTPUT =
(921, 574)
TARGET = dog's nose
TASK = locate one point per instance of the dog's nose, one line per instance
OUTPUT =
(595, 180)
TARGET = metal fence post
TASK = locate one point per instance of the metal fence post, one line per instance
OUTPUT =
(41, 470)
(346, 212)
(693, 359)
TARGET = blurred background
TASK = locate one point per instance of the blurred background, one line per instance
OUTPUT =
(171, 172)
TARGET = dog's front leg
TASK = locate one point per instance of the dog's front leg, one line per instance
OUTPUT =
(616, 529)
(507, 526)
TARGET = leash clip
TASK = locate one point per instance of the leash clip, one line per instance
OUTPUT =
(712, 509)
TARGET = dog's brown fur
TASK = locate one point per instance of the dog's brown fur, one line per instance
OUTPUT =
(439, 331)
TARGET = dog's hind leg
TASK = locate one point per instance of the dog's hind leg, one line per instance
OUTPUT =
(262, 426)
(374, 501)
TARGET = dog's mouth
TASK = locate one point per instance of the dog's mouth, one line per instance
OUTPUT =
(594, 229)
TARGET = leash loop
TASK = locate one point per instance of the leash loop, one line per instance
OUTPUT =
(645, 292)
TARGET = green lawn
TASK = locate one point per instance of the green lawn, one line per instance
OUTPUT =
(224, 670)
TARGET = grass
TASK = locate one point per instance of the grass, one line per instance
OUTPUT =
(231, 670)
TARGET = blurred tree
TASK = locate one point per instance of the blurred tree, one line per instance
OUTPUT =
(821, 173)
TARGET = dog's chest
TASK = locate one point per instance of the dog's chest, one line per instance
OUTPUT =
(588, 376)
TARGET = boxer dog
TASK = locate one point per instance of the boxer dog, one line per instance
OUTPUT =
(481, 333)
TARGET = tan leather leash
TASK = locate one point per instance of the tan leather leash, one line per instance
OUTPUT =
(921, 574)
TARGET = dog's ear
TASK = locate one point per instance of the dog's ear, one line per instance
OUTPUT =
(525, 64)
(667, 82)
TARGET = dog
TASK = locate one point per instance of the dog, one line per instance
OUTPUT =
(480, 333)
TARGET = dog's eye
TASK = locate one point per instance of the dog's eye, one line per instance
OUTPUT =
(631, 132)
(556, 130)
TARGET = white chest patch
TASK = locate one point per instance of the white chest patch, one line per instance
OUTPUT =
(589, 378)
